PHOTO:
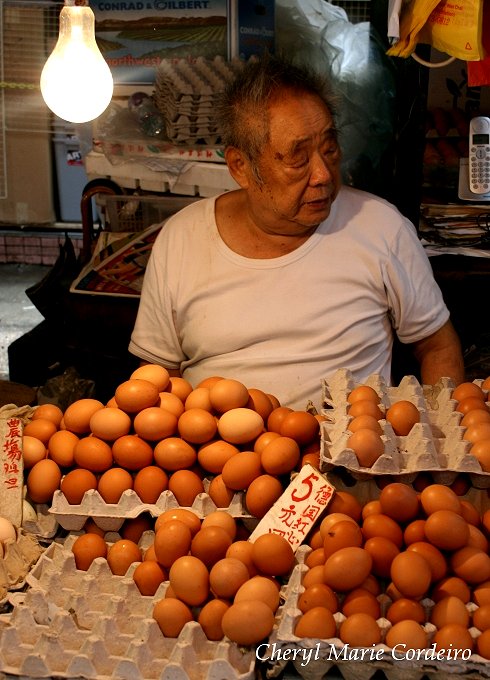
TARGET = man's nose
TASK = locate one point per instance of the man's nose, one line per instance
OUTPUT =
(320, 170)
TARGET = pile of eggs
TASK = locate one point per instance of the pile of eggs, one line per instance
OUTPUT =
(412, 558)
(365, 430)
(213, 574)
(160, 433)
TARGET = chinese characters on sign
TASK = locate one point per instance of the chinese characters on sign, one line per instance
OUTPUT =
(12, 470)
(299, 507)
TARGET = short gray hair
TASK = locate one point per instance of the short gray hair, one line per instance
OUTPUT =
(243, 106)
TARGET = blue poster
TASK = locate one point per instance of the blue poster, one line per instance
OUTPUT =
(135, 36)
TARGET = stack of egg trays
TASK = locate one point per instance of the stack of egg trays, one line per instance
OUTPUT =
(93, 624)
(186, 94)
(110, 516)
(434, 445)
(327, 654)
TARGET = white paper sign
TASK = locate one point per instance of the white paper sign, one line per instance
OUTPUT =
(299, 507)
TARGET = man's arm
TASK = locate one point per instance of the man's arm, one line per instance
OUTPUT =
(440, 356)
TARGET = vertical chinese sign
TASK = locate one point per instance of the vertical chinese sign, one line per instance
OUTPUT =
(11, 475)
(297, 510)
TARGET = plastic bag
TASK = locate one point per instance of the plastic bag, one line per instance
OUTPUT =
(352, 56)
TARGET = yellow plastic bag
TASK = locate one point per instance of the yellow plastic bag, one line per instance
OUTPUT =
(453, 27)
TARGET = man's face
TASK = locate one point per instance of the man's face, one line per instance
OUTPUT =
(299, 167)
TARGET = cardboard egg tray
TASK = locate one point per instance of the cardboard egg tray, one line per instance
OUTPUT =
(110, 517)
(18, 558)
(77, 624)
(434, 445)
(186, 92)
(327, 654)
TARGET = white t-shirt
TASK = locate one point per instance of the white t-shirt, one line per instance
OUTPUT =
(283, 324)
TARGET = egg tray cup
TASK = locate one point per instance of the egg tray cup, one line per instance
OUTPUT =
(433, 445)
(19, 556)
(110, 517)
(93, 624)
(322, 658)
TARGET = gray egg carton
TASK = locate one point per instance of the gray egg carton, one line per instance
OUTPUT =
(77, 624)
(110, 516)
(434, 445)
(326, 654)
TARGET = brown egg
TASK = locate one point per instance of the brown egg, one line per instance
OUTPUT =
(220, 518)
(483, 644)
(210, 545)
(405, 609)
(273, 555)
(446, 530)
(264, 439)
(471, 564)
(453, 637)
(148, 576)
(315, 557)
(43, 480)
(467, 389)
(300, 426)
(171, 615)
(153, 373)
(219, 493)
(227, 394)
(213, 455)
(226, 576)
(360, 630)
(470, 404)
(330, 519)
(172, 540)
(341, 535)
(280, 456)
(383, 552)
(367, 445)
(173, 453)
(411, 574)
(210, 618)
(317, 622)
(76, 417)
(199, 398)
(247, 622)
(470, 513)
(365, 407)
(477, 432)
(33, 450)
(242, 550)
(240, 470)
(183, 514)
(402, 416)
(439, 497)
(347, 568)
(347, 503)
(149, 483)
(113, 483)
(259, 401)
(361, 600)
(110, 423)
(449, 610)
(259, 588)
(122, 554)
(276, 417)
(76, 483)
(197, 426)
(86, 548)
(132, 452)
(481, 450)
(414, 531)
(435, 558)
(135, 394)
(408, 634)
(481, 593)
(371, 508)
(399, 501)
(154, 423)
(189, 579)
(451, 585)
(240, 425)
(185, 485)
(481, 617)
(261, 495)
(382, 525)
(49, 412)
(171, 403)
(318, 595)
(61, 447)
(475, 416)
(133, 528)
(93, 454)
(41, 429)
(363, 392)
(477, 538)
(363, 422)
(180, 387)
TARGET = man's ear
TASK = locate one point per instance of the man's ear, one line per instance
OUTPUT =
(238, 165)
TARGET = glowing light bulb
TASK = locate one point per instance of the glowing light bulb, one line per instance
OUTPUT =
(76, 82)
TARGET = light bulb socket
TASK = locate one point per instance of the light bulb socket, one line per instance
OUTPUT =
(76, 3)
